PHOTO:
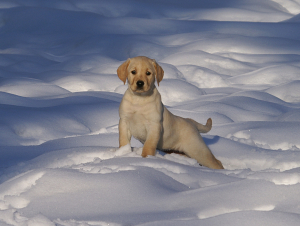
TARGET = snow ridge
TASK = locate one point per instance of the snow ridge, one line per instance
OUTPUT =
(237, 62)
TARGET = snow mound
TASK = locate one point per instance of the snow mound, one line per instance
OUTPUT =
(272, 75)
(236, 62)
(30, 88)
(289, 92)
(176, 91)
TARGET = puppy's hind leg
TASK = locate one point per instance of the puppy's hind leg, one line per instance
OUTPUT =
(198, 150)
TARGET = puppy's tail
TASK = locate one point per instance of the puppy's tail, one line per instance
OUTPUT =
(202, 128)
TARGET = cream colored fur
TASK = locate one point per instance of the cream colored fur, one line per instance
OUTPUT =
(143, 116)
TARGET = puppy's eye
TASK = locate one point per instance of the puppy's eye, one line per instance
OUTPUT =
(133, 72)
(148, 73)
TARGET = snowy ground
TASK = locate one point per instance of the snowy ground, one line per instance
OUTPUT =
(236, 61)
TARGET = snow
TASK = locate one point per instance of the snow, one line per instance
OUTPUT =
(237, 62)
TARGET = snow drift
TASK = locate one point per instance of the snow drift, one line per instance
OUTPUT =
(237, 62)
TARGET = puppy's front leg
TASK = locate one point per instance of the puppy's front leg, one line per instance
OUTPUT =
(124, 133)
(154, 133)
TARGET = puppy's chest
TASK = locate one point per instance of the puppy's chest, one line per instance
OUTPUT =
(139, 125)
(140, 114)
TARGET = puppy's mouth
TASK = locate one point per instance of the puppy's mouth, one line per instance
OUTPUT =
(138, 90)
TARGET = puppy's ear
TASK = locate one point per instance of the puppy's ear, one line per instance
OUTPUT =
(122, 70)
(159, 72)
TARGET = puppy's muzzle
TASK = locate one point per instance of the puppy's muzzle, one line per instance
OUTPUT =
(140, 84)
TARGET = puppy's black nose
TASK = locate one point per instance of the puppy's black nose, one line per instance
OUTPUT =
(140, 84)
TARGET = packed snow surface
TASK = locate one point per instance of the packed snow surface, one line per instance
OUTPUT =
(236, 61)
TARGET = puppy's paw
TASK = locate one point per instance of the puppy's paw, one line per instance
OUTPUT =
(144, 155)
(147, 152)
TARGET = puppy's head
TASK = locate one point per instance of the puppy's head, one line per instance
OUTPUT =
(141, 73)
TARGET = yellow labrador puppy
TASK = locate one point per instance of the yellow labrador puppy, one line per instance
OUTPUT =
(143, 116)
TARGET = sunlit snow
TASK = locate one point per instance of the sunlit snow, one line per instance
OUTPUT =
(236, 61)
